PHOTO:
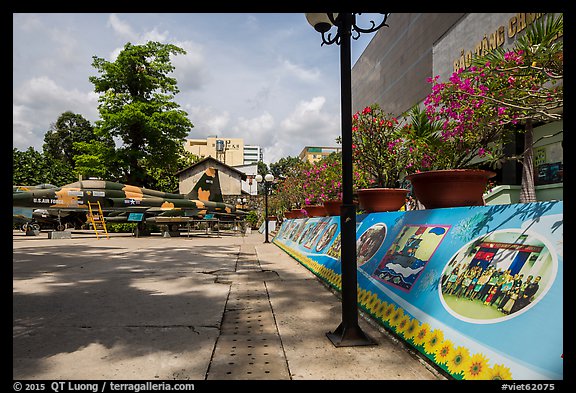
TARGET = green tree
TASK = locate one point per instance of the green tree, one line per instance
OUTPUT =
(70, 128)
(25, 167)
(31, 167)
(137, 107)
(290, 185)
(262, 168)
(284, 166)
(97, 159)
(164, 180)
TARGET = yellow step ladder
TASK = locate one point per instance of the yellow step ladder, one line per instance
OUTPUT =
(96, 218)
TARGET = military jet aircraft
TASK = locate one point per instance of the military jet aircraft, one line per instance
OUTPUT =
(28, 218)
(118, 200)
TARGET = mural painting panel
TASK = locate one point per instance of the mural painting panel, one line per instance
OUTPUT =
(470, 288)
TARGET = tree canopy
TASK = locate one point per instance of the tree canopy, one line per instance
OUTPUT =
(68, 129)
(31, 167)
(137, 109)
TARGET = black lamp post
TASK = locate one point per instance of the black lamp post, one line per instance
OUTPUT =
(268, 179)
(348, 333)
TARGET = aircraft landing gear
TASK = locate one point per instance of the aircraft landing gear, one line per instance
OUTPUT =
(31, 228)
(60, 227)
(141, 230)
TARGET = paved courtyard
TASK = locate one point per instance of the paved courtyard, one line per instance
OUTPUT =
(185, 308)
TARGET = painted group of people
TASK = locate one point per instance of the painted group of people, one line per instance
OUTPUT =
(507, 292)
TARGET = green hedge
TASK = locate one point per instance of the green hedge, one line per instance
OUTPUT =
(121, 227)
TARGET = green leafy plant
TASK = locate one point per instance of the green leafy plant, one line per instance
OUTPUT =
(121, 227)
(252, 219)
(382, 154)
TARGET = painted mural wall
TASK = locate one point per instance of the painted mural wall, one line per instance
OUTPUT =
(477, 290)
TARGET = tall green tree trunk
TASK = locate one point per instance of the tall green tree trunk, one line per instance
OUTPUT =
(528, 189)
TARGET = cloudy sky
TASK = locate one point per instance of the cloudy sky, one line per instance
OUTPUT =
(262, 77)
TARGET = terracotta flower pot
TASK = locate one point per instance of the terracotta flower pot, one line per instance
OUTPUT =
(289, 214)
(298, 213)
(450, 187)
(333, 207)
(315, 210)
(382, 199)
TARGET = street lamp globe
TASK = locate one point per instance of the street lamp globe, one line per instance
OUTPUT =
(269, 177)
(320, 22)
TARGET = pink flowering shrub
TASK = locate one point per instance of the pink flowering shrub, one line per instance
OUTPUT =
(471, 125)
(481, 107)
(323, 180)
(381, 153)
(310, 184)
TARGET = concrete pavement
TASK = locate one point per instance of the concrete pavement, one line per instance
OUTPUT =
(188, 307)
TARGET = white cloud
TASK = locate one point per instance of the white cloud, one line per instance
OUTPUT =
(190, 70)
(307, 116)
(39, 102)
(257, 130)
(300, 72)
(207, 121)
(154, 35)
(307, 125)
(26, 22)
(122, 28)
(68, 51)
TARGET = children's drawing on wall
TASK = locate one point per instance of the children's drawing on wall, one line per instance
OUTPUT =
(408, 255)
(307, 233)
(318, 228)
(497, 276)
(369, 242)
(335, 249)
(286, 228)
(326, 237)
(297, 230)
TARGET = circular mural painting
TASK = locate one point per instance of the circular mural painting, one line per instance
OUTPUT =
(369, 242)
(497, 276)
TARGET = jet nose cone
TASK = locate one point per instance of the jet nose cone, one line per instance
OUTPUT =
(21, 196)
(22, 199)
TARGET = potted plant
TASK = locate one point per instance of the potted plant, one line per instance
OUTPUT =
(323, 186)
(382, 156)
(327, 177)
(473, 131)
(290, 191)
(312, 195)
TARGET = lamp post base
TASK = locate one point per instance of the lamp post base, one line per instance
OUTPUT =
(346, 336)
